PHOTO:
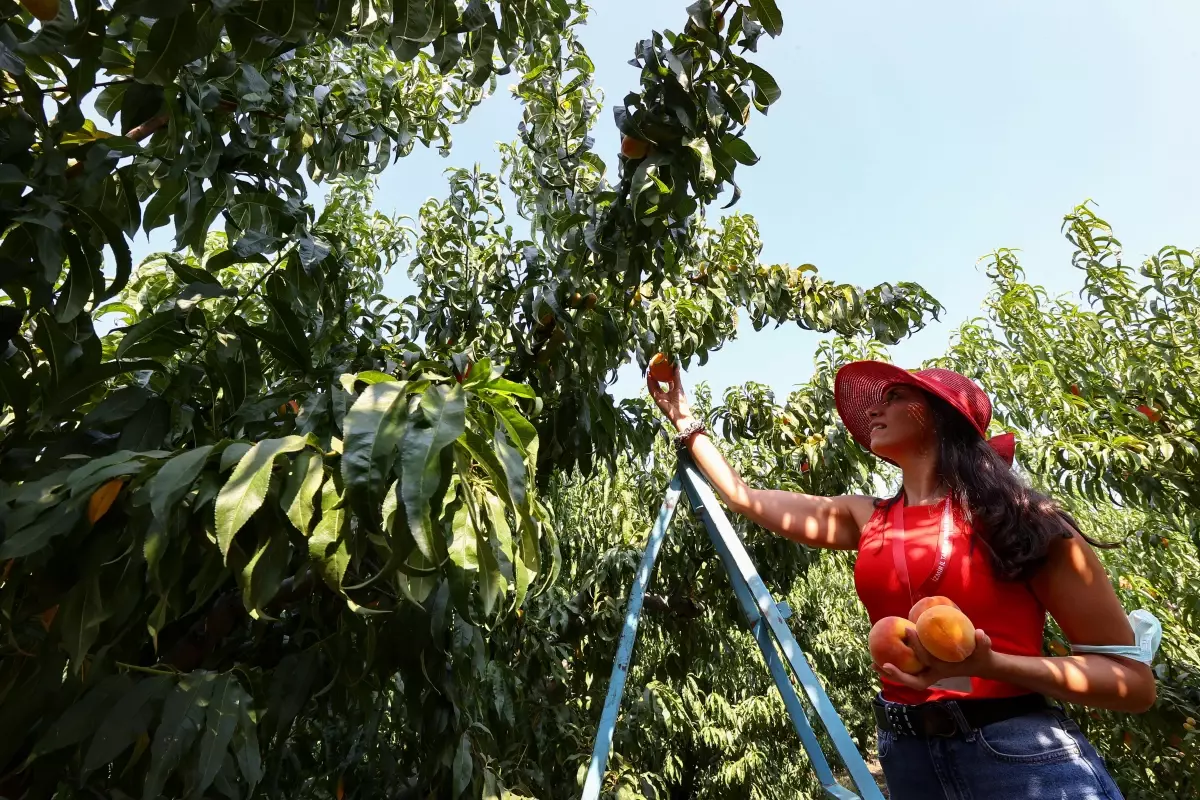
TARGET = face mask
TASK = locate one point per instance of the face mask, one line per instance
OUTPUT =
(1147, 635)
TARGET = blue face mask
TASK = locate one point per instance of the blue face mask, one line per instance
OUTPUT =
(1147, 635)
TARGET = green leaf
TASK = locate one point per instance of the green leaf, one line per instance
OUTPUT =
(372, 376)
(699, 146)
(14, 393)
(498, 525)
(171, 43)
(120, 248)
(232, 454)
(327, 545)
(464, 767)
(463, 551)
(514, 471)
(72, 392)
(194, 293)
(155, 9)
(174, 480)
(148, 429)
(164, 326)
(182, 719)
(491, 581)
(108, 102)
(245, 745)
(287, 321)
(162, 204)
(478, 448)
(224, 711)
(75, 293)
(29, 539)
(443, 419)
(768, 14)
(739, 150)
(520, 429)
(308, 470)
(247, 487)
(415, 21)
(373, 428)
(126, 720)
(59, 348)
(281, 347)
(765, 84)
(229, 258)
(97, 471)
(291, 687)
(82, 614)
(81, 720)
(492, 787)
(514, 467)
(264, 573)
(289, 19)
(529, 561)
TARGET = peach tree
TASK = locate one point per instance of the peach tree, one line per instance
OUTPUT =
(265, 530)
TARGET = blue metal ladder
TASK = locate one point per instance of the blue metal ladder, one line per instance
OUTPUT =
(766, 618)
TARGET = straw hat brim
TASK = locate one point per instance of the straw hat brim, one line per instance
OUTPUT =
(860, 385)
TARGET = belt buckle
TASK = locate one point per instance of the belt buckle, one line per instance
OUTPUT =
(940, 720)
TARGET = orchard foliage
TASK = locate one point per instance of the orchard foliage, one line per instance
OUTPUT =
(1105, 399)
(265, 530)
(1105, 395)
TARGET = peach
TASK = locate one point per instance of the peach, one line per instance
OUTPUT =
(946, 633)
(887, 645)
(634, 148)
(44, 10)
(926, 603)
(661, 369)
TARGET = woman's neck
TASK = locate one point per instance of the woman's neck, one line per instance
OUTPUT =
(922, 484)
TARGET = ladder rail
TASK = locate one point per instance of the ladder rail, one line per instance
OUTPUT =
(766, 620)
(737, 561)
(762, 636)
(620, 670)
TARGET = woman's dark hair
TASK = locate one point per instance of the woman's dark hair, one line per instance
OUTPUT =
(1015, 523)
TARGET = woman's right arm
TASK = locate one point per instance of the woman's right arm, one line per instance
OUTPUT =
(830, 522)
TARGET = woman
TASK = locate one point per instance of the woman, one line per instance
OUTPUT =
(966, 527)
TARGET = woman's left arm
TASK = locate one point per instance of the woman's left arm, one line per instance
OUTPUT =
(1076, 591)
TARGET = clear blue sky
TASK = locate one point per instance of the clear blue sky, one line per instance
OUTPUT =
(913, 138)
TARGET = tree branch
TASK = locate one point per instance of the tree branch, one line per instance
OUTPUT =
(58, 89)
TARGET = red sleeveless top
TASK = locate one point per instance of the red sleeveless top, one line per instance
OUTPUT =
(1008, 611)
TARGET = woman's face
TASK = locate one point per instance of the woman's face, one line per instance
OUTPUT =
(901, 423)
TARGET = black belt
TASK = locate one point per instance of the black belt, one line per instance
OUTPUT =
(926, 720)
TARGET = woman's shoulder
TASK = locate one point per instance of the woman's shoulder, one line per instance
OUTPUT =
(866, 510)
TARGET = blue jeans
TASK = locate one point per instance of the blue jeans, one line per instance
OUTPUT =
(1042, 755)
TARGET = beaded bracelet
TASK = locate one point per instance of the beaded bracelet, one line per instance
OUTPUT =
(692, 428)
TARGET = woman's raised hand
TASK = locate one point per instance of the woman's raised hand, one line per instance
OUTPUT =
(672, 400)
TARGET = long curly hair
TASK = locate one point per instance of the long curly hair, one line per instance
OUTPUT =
(1015, 523)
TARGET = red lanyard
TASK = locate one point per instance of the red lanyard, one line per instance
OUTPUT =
(900, 556)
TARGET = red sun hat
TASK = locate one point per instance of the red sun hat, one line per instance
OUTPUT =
(861, 384)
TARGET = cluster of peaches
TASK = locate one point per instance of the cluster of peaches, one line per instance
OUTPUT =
(944, 631)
